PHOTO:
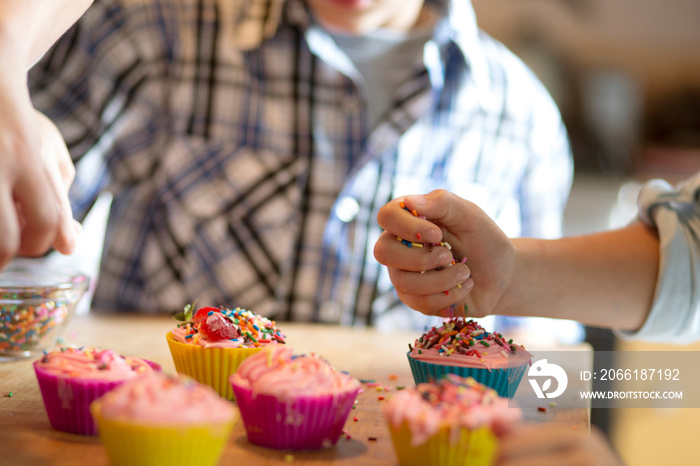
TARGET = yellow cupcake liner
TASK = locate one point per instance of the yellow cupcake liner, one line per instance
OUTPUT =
(210, 366)
(465, 447)
(129, 444)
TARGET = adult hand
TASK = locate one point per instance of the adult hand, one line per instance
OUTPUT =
(552, 444)
(35, 174)
(423, 277)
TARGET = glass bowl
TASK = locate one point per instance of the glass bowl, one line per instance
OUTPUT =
(36, 303)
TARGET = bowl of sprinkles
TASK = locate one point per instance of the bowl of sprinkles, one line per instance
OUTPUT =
(35, 305)
(463, 347)
(210, 343)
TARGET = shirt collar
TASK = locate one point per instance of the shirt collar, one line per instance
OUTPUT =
(460, 28)
(257, 20)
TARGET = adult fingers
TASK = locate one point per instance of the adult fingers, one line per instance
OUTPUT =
(9, 227)
(60, 170)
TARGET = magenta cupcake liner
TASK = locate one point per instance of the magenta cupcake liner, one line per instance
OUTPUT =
(504, 381)
(67, 400)
(303, 423)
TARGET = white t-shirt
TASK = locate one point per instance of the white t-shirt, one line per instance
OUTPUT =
(675, 213)
(386, 59)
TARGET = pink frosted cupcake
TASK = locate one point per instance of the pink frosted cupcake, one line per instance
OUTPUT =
(465, 348)
(292, 402)
(71, 378)
(451, 422)
(208, 345)
(159, 420)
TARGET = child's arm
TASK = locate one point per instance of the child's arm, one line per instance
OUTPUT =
(605, 279)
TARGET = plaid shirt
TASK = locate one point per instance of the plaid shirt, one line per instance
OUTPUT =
(242, 167)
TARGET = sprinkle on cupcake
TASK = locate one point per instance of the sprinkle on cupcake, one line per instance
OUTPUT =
(238, 325)
(467, 337)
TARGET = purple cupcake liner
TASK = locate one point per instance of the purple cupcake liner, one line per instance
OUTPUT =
(504, 381)
(303, 423)
(67, 400)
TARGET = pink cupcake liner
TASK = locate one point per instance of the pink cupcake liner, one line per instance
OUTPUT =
(303, 423)
(67, 400)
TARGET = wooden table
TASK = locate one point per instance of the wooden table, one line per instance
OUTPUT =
(26, 437)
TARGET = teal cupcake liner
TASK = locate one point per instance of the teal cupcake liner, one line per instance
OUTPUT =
(504, 381)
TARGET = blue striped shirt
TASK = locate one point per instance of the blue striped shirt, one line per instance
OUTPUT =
(244, 173)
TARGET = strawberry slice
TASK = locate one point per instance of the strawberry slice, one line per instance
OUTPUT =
(217, 327)
(202, 313)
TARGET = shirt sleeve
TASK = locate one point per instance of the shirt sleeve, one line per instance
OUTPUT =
(675, 212)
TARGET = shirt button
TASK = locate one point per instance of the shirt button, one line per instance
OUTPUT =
(346, 209)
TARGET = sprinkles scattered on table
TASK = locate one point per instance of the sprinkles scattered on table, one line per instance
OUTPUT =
(467, 337)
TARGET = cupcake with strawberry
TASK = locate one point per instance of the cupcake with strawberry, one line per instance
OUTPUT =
(210, 343)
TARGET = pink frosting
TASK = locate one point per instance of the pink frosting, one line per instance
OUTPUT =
(453, 402)
(276, 371)
(92, 364)
(495, 358)
(157, 398)
(465, 343)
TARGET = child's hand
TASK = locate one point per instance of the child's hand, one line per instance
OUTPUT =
(425, 277)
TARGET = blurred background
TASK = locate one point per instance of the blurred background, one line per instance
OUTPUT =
(626, 76)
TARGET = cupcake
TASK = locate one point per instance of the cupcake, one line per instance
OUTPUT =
(208, 345)
(453, 421)
(463, 347)
(71, 378)
(160, 420)
(293, 402)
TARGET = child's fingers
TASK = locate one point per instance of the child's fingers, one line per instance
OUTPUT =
(448, 210)
(393, 217)
(392, 252)
(437, 303)
(429, 282)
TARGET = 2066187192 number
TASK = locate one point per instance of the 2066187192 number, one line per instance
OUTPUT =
(639, 374)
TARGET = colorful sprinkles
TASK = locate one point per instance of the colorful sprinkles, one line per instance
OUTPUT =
(254, 329)
(458, 335)
(455, 393)
(23, 326)
(454, 309)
